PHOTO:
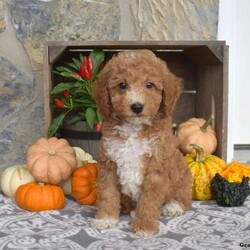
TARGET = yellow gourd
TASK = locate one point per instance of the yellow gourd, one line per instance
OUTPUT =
(203, 168)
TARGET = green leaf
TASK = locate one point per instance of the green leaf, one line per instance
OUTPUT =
(84, 101)
(62, 69)
(76, 119)
(61, 87)
(72, 65)
(98, 116)
(77, 63)
(56, 123)
(56, 72)
(78, 84)
(97, 57)
(67, 74)
(81, 57)
(90, 116)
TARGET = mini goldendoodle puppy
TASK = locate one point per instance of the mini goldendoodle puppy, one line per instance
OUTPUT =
(142, 169)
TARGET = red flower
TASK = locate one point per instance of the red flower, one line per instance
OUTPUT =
(89, 65)
(98, 127)
(59, 103)
(66, 94)
(76, 75)
(84, 72)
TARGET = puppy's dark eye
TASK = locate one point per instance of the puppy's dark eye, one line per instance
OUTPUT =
(123, 85)
(149, 85)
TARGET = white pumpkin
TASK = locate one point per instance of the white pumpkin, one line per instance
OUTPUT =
(66, 186)
(82, 157)
(13, 177)
(92, 161)
(1, 171)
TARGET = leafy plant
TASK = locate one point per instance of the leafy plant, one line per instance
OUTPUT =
(75, 93)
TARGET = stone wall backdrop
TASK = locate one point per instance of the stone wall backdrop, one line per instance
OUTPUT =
(26, 25)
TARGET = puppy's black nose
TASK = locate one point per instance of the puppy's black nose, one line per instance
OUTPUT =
(137, 107)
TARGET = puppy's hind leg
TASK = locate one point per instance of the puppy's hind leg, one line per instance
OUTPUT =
(172, 208)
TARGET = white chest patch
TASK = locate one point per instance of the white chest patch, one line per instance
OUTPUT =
(128, 153)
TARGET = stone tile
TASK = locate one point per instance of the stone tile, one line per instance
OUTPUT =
(20, 132)
(175, 20)
(2, 21)
(39, 21)
(21, 114)
(16, 89)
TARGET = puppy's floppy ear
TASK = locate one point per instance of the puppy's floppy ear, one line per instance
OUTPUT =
(101, 95)
(172, 88)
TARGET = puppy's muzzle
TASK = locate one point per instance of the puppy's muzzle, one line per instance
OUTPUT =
(137, 107)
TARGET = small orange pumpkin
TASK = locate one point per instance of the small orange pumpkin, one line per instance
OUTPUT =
(235, 172)
(83, 183)
(37, 197)
(51, 160)
(197, 131)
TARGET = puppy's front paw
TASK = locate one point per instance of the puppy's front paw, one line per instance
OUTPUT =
(172, 209)
(145, 228)
(104, 223)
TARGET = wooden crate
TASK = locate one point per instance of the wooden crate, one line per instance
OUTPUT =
(203, 65)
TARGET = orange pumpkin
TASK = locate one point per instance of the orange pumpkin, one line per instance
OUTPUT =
(235, 172)
(37, 197)
(51, 160)
(83, 183)
(197, 131)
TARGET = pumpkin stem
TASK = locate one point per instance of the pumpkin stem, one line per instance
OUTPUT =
(41, 184)
(52, 152)
(207, 123)
(199, 152)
